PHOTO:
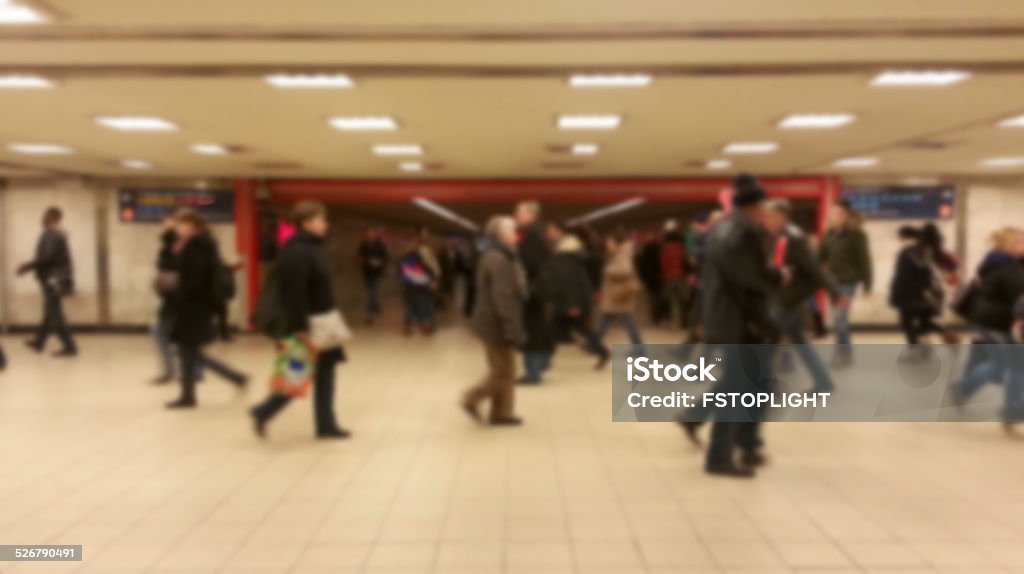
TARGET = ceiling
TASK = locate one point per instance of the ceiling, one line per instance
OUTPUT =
(480, 85)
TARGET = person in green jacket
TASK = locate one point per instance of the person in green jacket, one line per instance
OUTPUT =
(847, 256)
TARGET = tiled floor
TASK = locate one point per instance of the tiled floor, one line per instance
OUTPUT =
(88, 456)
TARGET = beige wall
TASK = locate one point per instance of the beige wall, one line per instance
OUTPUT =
(988, 208)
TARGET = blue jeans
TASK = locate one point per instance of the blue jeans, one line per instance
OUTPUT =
(841, 319)
(534, 365)
(372, 283)
(791, 323)
(628, 321)
(1005, 363)
(419, 308)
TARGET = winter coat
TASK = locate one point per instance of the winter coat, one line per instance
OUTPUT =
(648, 265)
(808, 274)
(194, 300)
(914, 285)
(672, 257)
(565, 279)
(53, 257)
(738, 283)
(373, 258)
(167, 263)
(501, 291)
(306, 284)
(1001, 286)
(533, 255)
(846, 254)
(415, 272)
(620, 284)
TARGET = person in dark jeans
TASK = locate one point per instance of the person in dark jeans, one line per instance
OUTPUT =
(55, 273)
(306, 289)
(194, 301)
(847, 256)
(373, 258)
(534, 253)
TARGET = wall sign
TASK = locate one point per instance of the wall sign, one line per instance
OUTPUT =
(151, 204)
(896, 202)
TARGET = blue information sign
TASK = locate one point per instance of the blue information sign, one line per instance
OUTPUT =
(902, 202)
(150, 205)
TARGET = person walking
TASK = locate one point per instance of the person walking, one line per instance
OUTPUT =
(672, 260)
(55, 273)
(373, 259)
(846, 254)
(793, 252)
(569, 291)
(194, 301)
(498, 323)
(914, 287)
(620, 289)
(305, 290)
(648, 265)
(419, 273)
(534, 253)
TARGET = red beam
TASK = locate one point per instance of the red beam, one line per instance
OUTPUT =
(247, 241)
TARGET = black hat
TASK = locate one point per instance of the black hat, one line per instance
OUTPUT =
(746, 190)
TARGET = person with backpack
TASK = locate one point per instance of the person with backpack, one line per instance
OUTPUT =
(194, 301)
(303, 292)
(225, 290)
(55, 274)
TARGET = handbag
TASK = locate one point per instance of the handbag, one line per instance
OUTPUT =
(964, 301)
(328, 330)
(294, 368)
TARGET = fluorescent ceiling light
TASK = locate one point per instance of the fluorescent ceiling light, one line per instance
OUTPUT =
(24, 82)
(919, 78)
(596, 122)
(40, 149)
(856, 162)
(718, 164)
(11, 13)
(445, 213)
(1014, 122)
(309, 81)
(746, 148)
(398, 149)
(364, 123)
(135, 164)
(137, 123)
(609, 80)
(815, 121)
(410, 166)
(585, 149)
(1003, 162)
(210, 149)
(603, 212)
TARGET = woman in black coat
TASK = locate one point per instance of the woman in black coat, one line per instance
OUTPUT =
(194, 299)
(914, 291)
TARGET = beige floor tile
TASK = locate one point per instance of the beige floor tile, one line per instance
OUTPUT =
(883, 555)
(334, 555)
(402, 555)
(811, 555)
(519, 554)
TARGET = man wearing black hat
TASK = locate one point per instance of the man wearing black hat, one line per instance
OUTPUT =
(738, 283)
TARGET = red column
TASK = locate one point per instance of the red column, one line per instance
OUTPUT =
(247, 240)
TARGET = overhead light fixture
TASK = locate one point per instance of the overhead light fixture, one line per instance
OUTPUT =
(1003, 162)
(24, 83)
(14, 13)
(919, 78)
(410, 166)
(309, 81)
(589, 122)
(135, 164)
(603, 212)
(856, 162)
(40, 149)
(1014, 122)
(364, 123)
(609, 80)
(585, 149)
(718, 164)
(398, 149)
(750, 148)
(445, 213)
(815, 121)
(211, 149)
(137, 123)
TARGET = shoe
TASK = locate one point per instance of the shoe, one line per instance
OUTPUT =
(162, 380)
(259, 424)
(1008, 428)
(753, 459)
(691, 428)
(956, 395)
(472, 411)
(602, 362)
(241, 381)
(65, 353)
(506, 422)
(730, 471)
(181, 404)
(527, 381)
(35, 346)
(334, 434)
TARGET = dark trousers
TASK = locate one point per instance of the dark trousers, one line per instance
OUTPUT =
(220, 317)
(581, 326)
(469, 295)
(323, 395)
(738, 428)
(54, 320)
(194, 363)
(3, 359)
(917, 322)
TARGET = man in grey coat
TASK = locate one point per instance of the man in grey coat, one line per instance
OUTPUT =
(498, 323)
(53, 270)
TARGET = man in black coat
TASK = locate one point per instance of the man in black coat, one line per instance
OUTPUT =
(54, 271)
(738, 284)
(533, 253)
(373, 260)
